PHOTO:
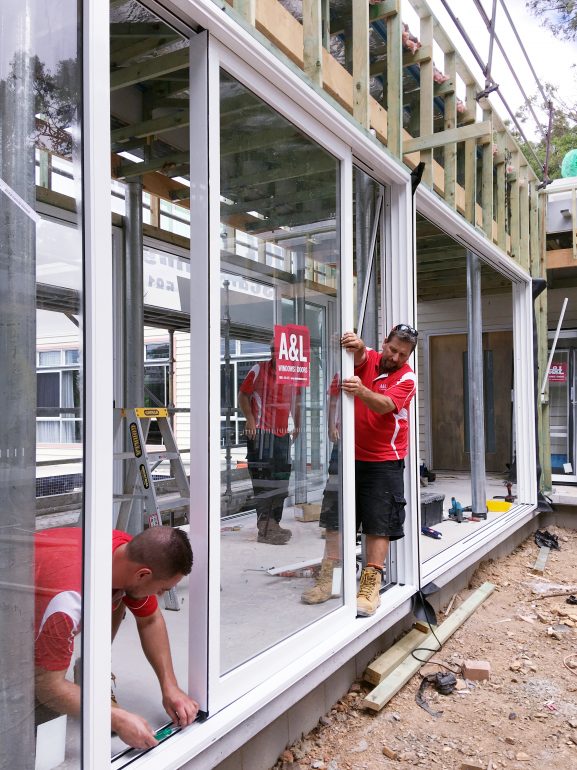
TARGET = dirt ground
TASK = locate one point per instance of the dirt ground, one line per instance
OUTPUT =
(523, 718)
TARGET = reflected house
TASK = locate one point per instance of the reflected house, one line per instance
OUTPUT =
(193, 181)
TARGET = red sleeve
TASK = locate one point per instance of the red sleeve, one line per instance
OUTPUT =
(369, 354)
(248, 382)
(335, 386)
(403, 391)
(142, 608)
(55, 643)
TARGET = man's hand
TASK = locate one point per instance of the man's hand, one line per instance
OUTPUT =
(333, 433)
(179, 707)
(132, 729)
(354, 344)
(353, 386)
(250, 428)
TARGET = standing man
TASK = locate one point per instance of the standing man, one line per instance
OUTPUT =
(383, 386)
(267, 405)
(143, 568)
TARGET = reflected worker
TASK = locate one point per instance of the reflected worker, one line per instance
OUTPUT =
(383, 386)
(143, 568)
(267, 406)
(329, 519)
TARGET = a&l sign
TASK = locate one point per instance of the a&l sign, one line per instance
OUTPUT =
(292, 345)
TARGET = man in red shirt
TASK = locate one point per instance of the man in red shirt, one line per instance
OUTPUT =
(267, 405)
(383, 386)
(143, 568)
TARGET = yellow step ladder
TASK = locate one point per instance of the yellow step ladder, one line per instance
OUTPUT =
(139, 466)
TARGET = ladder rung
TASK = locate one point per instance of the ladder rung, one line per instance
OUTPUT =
(172, 504)
(157, 456)
(122, 498)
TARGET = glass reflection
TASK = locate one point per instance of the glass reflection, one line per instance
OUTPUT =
(41, 383)
(280, 326)
(467, 390)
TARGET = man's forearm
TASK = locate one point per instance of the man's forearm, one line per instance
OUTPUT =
(375, 402)
(53, 690)
(156, 647)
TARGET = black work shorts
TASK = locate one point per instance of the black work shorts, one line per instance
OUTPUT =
(380, 498)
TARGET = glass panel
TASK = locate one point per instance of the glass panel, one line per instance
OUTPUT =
(559, 404)
(280, 324)
(150, 169)
(498, 483)
(41, 274)
(445, 464)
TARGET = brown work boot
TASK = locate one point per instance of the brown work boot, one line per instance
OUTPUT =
(270, 532)
(322, 590)
(368, 597)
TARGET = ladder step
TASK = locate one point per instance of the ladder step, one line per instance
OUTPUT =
(124, 498)
(158, 456)
(172, 504)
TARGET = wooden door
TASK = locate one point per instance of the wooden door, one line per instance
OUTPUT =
(449, 410)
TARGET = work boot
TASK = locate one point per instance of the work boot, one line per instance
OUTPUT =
(270, 532)
(368, 597)
(276, 524)
(322, 590)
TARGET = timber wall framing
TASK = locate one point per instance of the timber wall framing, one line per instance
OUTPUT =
(499, 192)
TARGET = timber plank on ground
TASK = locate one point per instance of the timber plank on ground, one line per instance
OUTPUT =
(391, 685)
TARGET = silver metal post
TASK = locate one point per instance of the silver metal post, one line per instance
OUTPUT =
(18, 392)
(133, 305)
(476, 395)
(132, 309)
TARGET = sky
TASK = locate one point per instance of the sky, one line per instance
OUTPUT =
(550, 56)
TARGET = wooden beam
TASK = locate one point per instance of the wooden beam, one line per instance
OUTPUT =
(557, 258)
(149, 69)
(501, 212)
(450, 124)
(151, 127)
(539, 566)
(394, 84)
(514, 224)
(460, 134)
(487, 185)
(361, 63)
(126, 53)
(391, 685)
(422, 55)
(447, 87)
(313, 40)
(383, 10)
(139, 29)
(523, 216)
(156, 164)
(426, 100)
(391, 658)
(471, 162)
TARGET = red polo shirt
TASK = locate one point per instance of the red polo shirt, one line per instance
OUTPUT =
(380, 437)
(271, 402)
(58, 594)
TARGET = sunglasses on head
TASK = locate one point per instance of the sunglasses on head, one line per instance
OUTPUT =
(406, 329)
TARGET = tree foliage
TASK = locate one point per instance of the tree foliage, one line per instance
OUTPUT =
(560, 16)
(563, 133)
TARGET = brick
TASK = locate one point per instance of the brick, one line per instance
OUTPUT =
(477, 670)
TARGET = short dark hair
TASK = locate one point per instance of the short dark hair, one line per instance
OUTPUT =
(164, 550)
(405, 333)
